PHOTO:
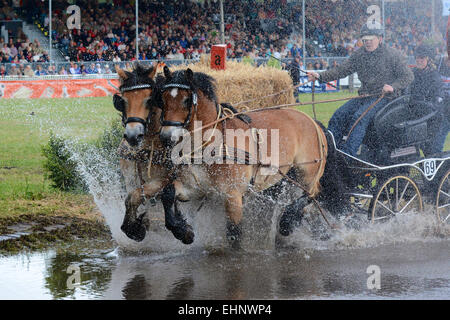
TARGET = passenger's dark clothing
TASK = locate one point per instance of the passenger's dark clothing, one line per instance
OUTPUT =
(427, 86)
(444, 71)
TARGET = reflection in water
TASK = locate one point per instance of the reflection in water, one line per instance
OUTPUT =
(182, 289)
(415, 270)
(137, 288)
(95, 274)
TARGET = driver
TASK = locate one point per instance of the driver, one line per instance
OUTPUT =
(380, 70)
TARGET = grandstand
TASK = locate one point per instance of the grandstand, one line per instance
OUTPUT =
(178, 31)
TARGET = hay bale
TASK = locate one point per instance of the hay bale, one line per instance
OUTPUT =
(242, 82)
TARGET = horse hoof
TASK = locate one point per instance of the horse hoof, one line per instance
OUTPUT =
(285, 229)
(183, 233)
(286, 226)
(288, 223)
(188, 235)
(134, 231)
(234, 242)
(234, 235)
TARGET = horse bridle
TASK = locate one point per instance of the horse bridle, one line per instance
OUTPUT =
(193, 101)
(119, 104)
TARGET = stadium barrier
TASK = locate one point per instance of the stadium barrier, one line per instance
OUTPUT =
(61, 88)
(110, 65)
(101, 85)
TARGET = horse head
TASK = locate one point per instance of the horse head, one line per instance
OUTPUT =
(183, 94)
(138, 102)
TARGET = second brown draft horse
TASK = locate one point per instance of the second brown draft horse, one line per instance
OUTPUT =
(295, 140)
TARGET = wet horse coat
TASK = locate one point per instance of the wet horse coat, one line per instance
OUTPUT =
(144, 163)
(301, 145)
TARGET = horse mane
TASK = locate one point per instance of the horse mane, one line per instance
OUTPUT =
(205, 84)
(139, 75)
(202, 82)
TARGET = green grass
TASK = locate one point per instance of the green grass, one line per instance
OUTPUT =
(25, 125)
(324, 111)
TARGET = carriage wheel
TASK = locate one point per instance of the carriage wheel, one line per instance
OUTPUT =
(443, 199)
(397, 195)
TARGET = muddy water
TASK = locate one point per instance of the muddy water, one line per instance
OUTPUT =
(411, 253)
(409, 271)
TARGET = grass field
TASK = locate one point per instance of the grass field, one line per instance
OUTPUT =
(25, 125)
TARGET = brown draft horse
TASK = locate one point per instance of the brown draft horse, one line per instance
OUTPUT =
(144, 164)
(301, 146)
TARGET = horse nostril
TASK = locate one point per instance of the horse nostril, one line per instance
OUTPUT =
(140, 136)
(125, 136)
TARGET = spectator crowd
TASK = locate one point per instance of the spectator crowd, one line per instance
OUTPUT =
(184, 29)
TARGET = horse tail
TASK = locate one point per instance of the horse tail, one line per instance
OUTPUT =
(332, 182)
(323, 151)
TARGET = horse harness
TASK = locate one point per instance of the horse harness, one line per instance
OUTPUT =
(224, 112)
(145, 154)
(120, 104)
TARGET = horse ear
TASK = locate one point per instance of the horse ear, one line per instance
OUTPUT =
(152, 73)
(189, 75)
(121, 73)
(167, 73)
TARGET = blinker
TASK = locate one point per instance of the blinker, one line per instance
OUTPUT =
(119, 103)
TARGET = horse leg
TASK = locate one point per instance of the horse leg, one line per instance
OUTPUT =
(292, 216)
(133, 225)
(233, 208)
(174, 218)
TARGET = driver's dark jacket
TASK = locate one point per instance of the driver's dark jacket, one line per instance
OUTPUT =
(375, 69)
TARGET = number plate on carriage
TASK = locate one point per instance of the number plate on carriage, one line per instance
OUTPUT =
(429, 167)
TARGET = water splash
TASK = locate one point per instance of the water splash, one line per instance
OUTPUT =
(260, 221)
(406, 228)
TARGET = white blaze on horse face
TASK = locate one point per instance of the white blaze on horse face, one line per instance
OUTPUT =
(174, 92)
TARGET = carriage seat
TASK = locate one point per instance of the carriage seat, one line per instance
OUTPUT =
(400, 127)
(402, 123)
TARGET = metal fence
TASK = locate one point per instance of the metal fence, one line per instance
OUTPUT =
(107, 68)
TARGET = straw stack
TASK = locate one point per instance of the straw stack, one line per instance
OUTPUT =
(242, 82)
